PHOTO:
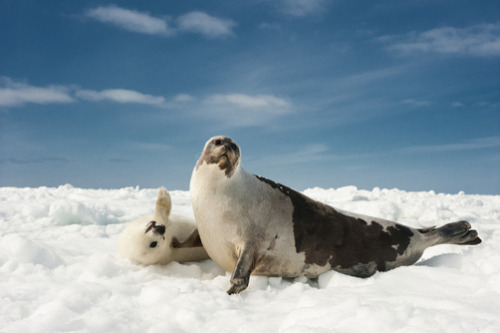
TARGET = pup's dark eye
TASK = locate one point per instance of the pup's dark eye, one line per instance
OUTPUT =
(218, 142)
(234, 146)
(153, 244)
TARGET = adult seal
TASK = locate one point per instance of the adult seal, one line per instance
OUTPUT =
(251, 225)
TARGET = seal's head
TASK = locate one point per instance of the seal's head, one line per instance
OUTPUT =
(221, 151)
(145, 242)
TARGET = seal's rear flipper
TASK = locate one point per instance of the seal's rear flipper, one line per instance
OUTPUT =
(459, 233)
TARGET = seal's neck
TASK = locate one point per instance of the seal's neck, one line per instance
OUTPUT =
(210, 178)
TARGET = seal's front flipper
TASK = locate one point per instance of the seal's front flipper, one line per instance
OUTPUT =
(193, 240)
(242, 271)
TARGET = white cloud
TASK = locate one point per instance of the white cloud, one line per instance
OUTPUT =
(16, 94)
(306, 154)
(130, 20)
(369, 77)
(303, 154)
(131, 96)
(260, 103)
(414, 102)
(488, 104)
(141, 22)
(120, 96)
(242, 109)
(478, 40)
(237, 109)
(301, 8)
(183, 98)
(205, 24)
(480, 143)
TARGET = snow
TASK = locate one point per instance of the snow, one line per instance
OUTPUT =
(59, 271)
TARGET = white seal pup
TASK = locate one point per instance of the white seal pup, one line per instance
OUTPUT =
(252, 225)
(161, 238)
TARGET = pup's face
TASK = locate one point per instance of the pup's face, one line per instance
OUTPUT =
(144, 242)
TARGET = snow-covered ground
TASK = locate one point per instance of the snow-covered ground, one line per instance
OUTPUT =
(59, 271)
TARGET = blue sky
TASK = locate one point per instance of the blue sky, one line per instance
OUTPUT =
(385, 94)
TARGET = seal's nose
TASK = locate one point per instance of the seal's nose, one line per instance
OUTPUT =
(159, 229)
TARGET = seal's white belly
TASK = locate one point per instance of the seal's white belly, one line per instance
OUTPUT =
(229, 218)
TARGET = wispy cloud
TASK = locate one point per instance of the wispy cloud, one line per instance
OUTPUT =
(183, 98)
(480, 143)
(457, 105)
(243, 109)
(205, 24)
(130, 20)
(301, 8)
(415, 102)
(270, 26)
(306, 154)
(36, 160)
(151, 146)
(16, 94)
(257, 103)
(369, 77)
(19, 93)
(479, 40)
(120, 96)
(322, 152)
(238, 109)
(143, 22)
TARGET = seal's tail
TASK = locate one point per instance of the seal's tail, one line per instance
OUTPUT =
(163, 206)
(459, 233)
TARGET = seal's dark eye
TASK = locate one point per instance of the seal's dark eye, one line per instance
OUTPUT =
(234, 147)
(218, 142)
(153, 244)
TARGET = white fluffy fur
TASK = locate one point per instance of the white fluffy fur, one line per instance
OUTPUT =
(134, 242)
